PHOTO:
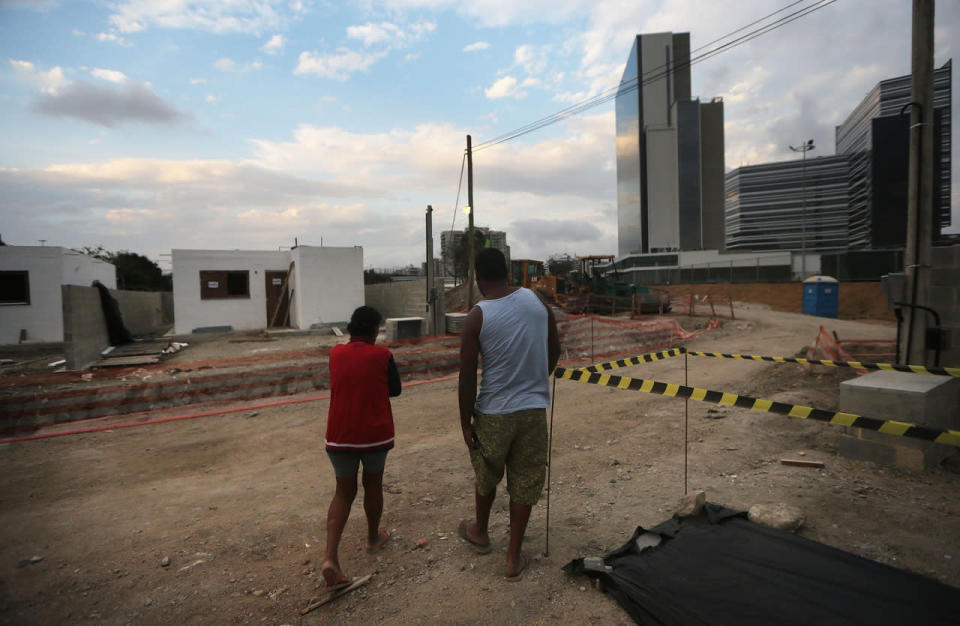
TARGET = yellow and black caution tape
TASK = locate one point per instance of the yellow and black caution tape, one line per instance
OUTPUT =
(916, 369)
(635, 360)
(890, 427)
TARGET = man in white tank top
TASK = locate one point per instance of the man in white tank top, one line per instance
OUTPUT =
(505, 425)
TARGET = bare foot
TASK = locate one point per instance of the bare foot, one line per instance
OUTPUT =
(517, 569)
(469, 533)
(333, 576)
(382, 539)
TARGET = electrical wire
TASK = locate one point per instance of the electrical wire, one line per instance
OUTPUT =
(459, 185)
(661, 71)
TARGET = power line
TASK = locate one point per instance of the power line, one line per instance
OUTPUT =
(459, 184)
(661, 71)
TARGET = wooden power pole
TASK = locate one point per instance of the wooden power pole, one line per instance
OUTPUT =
(920, 183)
(470, 238)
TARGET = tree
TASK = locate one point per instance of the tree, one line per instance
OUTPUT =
(373, 277)
(461, 253)
(561, 267)
(135, 272)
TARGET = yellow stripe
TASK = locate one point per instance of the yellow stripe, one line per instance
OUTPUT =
(761, 405)
(698, 394)
(671, 390)
(646, 386)
(614, 365)
(919, 369)
(855, 364)
(624, 383)
(756, 357)
(893, 427)
(568, 374)
(843, 419)
(827, 362)
(800, 411)
(804, 361)
(953, 371)
(737, 356)
(950, 437)
(728, 399)
(779, 359)
(886, 366)
(604, 379)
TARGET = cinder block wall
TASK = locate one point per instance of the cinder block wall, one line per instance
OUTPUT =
(84, 326)
(142, 311)
(945, 299)
(398, 299)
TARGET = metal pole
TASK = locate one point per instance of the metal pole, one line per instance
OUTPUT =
(470, 251)
(553, 401)
(431, 325)
(803, 221)
(686, 419)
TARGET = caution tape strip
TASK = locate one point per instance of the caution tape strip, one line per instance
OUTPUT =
(860, 365)
(890, 427)
(635, 360)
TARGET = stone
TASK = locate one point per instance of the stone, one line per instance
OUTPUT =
(165, 562)
(422, 543)
(779, 516)
(691, 504)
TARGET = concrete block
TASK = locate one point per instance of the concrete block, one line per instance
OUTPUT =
(945, 276)
(899, 452)
(84, 326)
(404, 328)
(932, 401)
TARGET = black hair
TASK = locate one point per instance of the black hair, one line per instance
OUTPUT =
(365, 322)
(491, 265)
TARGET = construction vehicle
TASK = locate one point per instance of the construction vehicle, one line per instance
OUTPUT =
(531, 274)
(597, 275)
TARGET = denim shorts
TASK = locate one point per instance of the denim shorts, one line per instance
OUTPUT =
(346, 464)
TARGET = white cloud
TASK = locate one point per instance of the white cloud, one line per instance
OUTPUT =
(533, 59)
(226, 16)
(78, 33)
(275, 45)
(503, 88)
(198, 81)
(109, 75)
(113, 38)
(337, 66)
(50, 81)
(211, 99)
(226, 64)
(390, 34)
(478, 45)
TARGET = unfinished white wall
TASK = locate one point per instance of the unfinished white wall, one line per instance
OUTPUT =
(328, 284)
(49, 267)
(191, 312)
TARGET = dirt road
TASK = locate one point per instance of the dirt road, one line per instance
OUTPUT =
(235, 505)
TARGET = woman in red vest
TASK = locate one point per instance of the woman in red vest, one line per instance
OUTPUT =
(363, 378)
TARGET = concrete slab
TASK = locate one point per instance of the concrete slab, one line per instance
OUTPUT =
(404, 327)
(932, 401)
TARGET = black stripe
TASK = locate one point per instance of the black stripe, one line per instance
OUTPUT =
(821, 415)
(684, 392)
(922, 432)
(744, 402)
(658, 388)
(635, 384)
(713, 396)
(780, 407)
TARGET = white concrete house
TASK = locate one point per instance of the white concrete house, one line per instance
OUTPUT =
(31, 302)
(249, 290)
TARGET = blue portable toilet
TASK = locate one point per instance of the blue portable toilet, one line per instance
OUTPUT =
(821, 296)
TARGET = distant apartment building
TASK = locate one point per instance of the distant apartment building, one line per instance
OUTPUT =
(788, 205)
(669, 153)
(451, 240)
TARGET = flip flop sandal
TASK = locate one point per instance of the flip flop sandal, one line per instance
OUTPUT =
(479, 548)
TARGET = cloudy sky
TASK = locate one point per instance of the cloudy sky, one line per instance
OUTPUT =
(144, 125)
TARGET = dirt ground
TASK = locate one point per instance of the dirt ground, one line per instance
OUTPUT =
(235, 505)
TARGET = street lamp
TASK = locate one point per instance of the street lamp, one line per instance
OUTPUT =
(803, 148)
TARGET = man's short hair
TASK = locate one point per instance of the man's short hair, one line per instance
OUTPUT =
(491, 265)
(365, 322)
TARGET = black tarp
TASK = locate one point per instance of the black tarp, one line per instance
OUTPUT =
(720, 568)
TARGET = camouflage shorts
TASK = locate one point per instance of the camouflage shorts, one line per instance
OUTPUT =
(516, 442)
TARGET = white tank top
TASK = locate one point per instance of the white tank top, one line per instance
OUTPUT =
(513, 345)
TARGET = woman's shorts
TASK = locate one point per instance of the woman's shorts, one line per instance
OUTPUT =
(346, 464)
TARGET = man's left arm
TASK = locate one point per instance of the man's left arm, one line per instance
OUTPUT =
(469, 359)
(553, 339)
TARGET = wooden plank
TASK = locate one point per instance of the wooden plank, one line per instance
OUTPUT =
(127, 361)
(333, 595)
(802, 463)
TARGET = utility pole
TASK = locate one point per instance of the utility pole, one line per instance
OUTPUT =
(919, 182)
(470, 238)
(803, 148)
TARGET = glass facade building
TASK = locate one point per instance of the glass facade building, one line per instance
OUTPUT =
(669, 153)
